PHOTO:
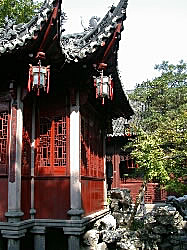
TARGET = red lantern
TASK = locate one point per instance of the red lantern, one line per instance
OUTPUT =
(39, 78)
(104, 86)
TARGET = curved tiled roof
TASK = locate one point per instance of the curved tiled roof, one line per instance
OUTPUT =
(118, 126)
(15, 36)
(78, 46)
(74, 46)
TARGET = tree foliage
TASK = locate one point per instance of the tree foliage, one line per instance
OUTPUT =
(18, 10)
(160, 149)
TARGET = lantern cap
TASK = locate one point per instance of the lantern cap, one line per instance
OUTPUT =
(40, 55)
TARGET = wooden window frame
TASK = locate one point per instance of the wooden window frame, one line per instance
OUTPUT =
(54, 125)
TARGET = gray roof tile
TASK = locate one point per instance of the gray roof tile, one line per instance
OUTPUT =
(74, 46)
(13, 36)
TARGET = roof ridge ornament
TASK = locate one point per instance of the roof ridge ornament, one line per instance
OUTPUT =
(80, 45)
(93, 23)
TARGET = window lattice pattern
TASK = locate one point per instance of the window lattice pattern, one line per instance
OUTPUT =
(52, 142)
(3, 137)
(44, 144)
(60, 142)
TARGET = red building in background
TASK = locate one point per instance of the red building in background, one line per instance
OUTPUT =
(121, 167)
(58, 96)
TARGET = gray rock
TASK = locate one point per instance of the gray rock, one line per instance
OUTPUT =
(119, 218)
(91, 238)
(163, 228)
(106, 223)
(177, 247)
(159, 229)
(101, 246)
(179, 203)
(110, 236)
(174, 239)
(123, 198)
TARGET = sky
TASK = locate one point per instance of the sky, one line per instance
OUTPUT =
(154, 31)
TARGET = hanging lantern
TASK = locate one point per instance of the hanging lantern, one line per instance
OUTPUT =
(39, 78)
(104, 87)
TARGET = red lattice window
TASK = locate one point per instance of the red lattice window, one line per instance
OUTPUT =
(60, 151)
(43, 153)
(52, 145)
(3, 142)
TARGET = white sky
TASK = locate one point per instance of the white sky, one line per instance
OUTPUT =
(155, 30)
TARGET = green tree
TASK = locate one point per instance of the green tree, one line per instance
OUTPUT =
(160, 149)
(18, 10)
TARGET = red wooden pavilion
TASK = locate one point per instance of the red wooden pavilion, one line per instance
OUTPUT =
(58, 96)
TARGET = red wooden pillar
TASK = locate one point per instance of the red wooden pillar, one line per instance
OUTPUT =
(32, 209)
(75, 183)
(15, 152)
(14, 175)
(104, 168)
(116, 173)
(75, 160)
